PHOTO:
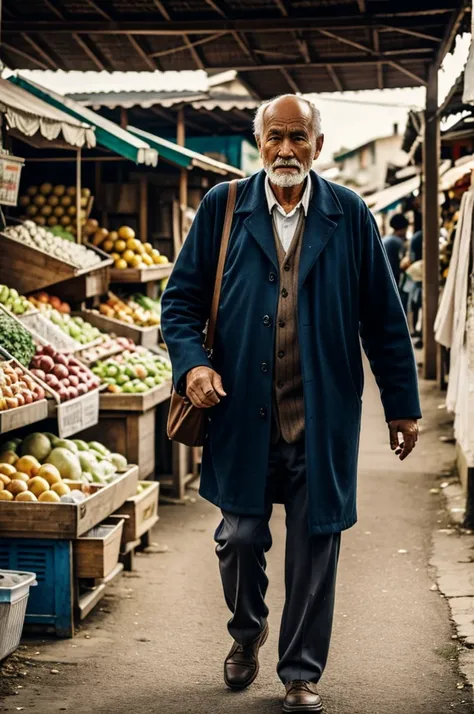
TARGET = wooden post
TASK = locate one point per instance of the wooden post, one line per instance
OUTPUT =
(123, 118)
(78, 197)
(143, 208)
(183, 178)
(431, 216)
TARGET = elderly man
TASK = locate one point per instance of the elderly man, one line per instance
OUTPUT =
(306, 275)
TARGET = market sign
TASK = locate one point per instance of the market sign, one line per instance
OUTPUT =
(10, 173)
(78, 414)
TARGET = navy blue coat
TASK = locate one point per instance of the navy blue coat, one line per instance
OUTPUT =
(346, 290)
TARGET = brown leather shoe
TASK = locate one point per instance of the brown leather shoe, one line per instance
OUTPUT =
(302, 696)
(241, 664)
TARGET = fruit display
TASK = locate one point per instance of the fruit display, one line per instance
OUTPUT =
(108, 347)
(16, 340)
(64, 374)
(44, 468)
(17, 388)
(12, 301)
(55, 206)
(147, 303)
(33, 236)
(122, 245)
(133, 372)
(129, 311)
(59, 313)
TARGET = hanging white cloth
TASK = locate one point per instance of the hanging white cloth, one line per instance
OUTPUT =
(450, 330)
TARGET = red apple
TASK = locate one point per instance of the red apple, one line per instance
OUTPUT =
(63, 394)
(39, 350)
(61, 359)
(60, 371)
(46, 363)
(72, 392)
(74, 369)
(66, 382)
(39, 374)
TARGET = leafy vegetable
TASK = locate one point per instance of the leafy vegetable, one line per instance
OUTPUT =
(16, 340)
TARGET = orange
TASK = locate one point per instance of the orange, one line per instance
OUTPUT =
(28, 465)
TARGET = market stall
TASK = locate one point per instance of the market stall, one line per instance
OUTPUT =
(71, 510)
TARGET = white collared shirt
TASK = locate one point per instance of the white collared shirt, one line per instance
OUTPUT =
(286, 222)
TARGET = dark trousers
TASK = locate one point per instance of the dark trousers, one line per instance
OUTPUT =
(310, 571)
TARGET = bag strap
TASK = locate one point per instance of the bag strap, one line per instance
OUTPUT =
(229, 214)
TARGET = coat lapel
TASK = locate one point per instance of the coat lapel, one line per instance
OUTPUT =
(321, 222)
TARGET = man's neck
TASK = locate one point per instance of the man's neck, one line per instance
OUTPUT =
(289, 196)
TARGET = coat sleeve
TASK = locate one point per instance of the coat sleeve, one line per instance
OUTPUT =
(384, 330)
(185, 305)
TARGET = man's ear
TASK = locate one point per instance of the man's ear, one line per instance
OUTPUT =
(319, 146)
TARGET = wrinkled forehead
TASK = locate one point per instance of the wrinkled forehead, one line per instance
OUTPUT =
(288, 113)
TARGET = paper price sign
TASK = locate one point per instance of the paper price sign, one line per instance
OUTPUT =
(78, 414)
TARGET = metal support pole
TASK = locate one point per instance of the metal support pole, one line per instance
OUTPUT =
(78, 197)
(431, 217)
(183, 177)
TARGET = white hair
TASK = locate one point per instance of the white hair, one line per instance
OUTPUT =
(260, 114)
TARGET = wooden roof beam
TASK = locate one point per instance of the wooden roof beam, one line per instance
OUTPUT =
(151, 64)
(21, 53)
(412, 75)
(411, 33)
(185, 46)
(291, 82)
(44, 51)
(376, 43)
(337, 82)
(196, 55)
(94, 54)
(208, 27)
(337, 62)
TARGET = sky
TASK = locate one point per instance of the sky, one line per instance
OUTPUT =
(371, 113)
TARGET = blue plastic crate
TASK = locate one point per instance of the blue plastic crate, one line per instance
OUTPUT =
(51, 602)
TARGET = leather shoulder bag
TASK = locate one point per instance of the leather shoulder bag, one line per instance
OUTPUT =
(186, 423)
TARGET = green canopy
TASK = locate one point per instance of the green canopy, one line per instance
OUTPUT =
(183, 157)
(108, 134)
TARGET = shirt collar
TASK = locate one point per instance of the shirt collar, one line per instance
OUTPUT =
(273, 202)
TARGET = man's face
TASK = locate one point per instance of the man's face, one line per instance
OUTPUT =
(288, 145)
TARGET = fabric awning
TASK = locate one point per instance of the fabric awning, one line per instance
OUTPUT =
(27, 115)
(108, 134)
(457, 172)
(186, 158)
(388, 197)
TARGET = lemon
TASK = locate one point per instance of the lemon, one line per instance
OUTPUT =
(128, 256)
(108, 245)
(120, 246)
(136, 261)
(115, 256)
(147, 259)
(148, 247)
(121, 264)
(162, 260)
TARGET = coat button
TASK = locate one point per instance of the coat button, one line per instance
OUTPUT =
(281, 323)
(280, 384)
(263, 412)
(272, 277)
(284, 293)
(264, 367)
(287, 267)
(281, 354)
(267, 320)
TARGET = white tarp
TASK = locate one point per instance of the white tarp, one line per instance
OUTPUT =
(30, 115)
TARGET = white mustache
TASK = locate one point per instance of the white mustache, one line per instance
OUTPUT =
(287, 163)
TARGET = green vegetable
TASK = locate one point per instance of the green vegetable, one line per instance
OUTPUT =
(16, 340)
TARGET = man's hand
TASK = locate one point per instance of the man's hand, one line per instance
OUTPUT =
(204, 387)
(408, 428)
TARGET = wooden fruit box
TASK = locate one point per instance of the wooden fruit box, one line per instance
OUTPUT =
(64, 520)
(31, 269)
(141, 511)
(22, 416)
(141, 275)
(96, 553)
(145, 336)
(84, 286)
(135, 402)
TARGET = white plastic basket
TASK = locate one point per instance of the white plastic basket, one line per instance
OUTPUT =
(13, 602)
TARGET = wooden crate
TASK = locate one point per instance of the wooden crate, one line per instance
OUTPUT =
(141, 275)
(145, 336)
(64, 520)
(84, 286)
(22, 416)
(135, 402)
(129, 433)
(142, 511)
(96, 553)
(30, 269)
